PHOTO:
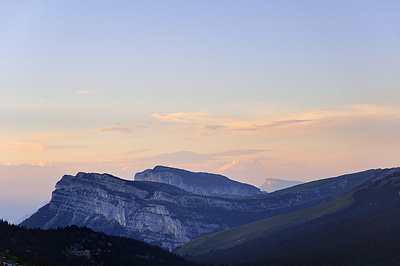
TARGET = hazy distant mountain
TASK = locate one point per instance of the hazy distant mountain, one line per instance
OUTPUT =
(359, 228)
(272, 184)
(168, 216)
(198, 183)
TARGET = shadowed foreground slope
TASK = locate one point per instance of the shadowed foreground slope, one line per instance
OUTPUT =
(359, 228)
(81, 246)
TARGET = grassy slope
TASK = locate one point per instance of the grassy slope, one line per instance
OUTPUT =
(242, 234)
(353, 181)
(239, 235)
(359, 228)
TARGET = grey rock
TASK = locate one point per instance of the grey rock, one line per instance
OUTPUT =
(168, 216)
(198, 183)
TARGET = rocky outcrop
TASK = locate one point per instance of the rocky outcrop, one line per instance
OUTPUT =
(273, 184)
(198, 183)
(168, 216)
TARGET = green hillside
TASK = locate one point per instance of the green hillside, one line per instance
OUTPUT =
(246, 233)
(359, 228)
(354, 181)
(240, 235)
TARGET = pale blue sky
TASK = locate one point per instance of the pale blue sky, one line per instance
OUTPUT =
(303, 89)
(160, 55)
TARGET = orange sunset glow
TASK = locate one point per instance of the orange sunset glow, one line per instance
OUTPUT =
(251, 91)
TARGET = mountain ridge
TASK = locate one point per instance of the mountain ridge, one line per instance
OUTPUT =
(168, 216)
(371, 212)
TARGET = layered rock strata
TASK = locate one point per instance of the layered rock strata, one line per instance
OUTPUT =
(168, 216)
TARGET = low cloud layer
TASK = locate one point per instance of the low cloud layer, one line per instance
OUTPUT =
(309, 120)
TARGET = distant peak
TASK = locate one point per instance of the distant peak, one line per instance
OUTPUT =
(273, 184)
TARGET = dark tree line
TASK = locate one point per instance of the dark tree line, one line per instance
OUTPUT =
(82, 246)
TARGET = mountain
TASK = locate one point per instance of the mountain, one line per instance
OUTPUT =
(272, 184)
(71, 246)
(167, 216)
(198, 183)
(359, 228)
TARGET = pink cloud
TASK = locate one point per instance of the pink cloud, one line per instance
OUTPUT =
(122, 129)
(213, 127)
(311, 120)
(272, 124)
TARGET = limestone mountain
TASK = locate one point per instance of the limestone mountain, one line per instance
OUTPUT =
(168, 216)
(198, 183)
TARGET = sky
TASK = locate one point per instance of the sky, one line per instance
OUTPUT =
(296, 90)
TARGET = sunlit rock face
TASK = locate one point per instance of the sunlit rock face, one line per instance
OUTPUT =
(198, 183)
(166, 215)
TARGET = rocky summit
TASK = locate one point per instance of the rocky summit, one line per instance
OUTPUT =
(169, 216)
(198, 183)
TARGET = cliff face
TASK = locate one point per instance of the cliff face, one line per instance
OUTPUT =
(198, 183)
(166, 215)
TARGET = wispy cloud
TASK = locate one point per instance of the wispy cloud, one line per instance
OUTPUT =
(244, 170)
(135, 151)
(213, 141)
(312, 120)
(186, 118)
(272, 124)
(70, 146)
(84, 92)
(190, 157)
(208, 121)
(117, 128)
(123, 129)
(212, 127)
